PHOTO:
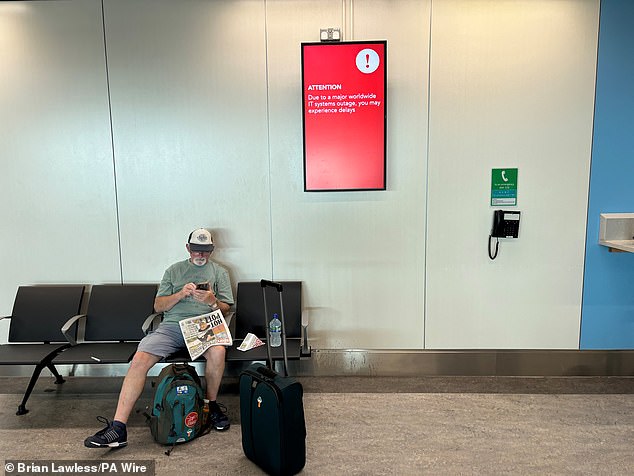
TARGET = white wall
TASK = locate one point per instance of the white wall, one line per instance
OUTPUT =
(512, 85)
(360, 254)
(56, 186)
(188, 87)
(206, 131)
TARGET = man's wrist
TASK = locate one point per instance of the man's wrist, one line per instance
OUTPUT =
(215, 305)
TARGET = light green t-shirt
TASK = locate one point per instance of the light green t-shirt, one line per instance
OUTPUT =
(183, 272)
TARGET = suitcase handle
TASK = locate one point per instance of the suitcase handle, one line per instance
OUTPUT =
(264, 283)
(267, 372)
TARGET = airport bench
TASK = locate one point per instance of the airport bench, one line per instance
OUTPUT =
(46, 325)
(35, 336)
(113, 324)
(112, 328)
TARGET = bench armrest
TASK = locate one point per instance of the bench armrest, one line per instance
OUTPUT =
(148, 324)
(68, 324)
(305, 350)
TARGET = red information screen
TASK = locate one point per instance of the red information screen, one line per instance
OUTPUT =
(344, 115)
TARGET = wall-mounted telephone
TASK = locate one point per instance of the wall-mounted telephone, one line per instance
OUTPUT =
(506, 224)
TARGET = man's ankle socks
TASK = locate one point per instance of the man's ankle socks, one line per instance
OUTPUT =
(119, 425)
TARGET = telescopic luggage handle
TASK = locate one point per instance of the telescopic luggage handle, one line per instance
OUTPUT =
(265, 283)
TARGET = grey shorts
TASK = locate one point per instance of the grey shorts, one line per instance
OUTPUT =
(164, 341)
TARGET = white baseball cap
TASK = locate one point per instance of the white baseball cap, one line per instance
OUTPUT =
(200, 240)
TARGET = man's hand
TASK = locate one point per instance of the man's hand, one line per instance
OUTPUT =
(202, 295)
(188, 290)
(165, 303)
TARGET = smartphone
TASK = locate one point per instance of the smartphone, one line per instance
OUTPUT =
(203, 286)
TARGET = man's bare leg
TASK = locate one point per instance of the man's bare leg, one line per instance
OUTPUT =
(134, 383)
(214, 369)
(115, 435)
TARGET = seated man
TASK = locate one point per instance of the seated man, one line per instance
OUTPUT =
(178, 298)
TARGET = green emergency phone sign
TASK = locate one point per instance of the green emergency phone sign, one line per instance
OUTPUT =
(504, 187)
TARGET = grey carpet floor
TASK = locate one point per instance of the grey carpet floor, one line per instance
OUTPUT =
(362, 433)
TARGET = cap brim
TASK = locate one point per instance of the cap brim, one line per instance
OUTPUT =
(195, 247)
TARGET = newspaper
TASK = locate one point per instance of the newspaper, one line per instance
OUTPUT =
(205, 331)
(250, 341)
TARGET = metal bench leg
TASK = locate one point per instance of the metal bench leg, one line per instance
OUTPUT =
(36, 373)
(58, 378)
(22, 410)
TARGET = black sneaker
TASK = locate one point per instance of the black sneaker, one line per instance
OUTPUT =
(218, 416)
(112, 436)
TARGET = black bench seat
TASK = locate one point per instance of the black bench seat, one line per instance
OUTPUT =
(113, 324)
(35, 337)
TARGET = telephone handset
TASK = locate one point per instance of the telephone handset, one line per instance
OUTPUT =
(506, 224)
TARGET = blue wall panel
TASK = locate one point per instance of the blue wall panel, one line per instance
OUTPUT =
(607, 320)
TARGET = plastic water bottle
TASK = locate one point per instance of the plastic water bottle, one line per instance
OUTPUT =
(205, 413)
(275, 331)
